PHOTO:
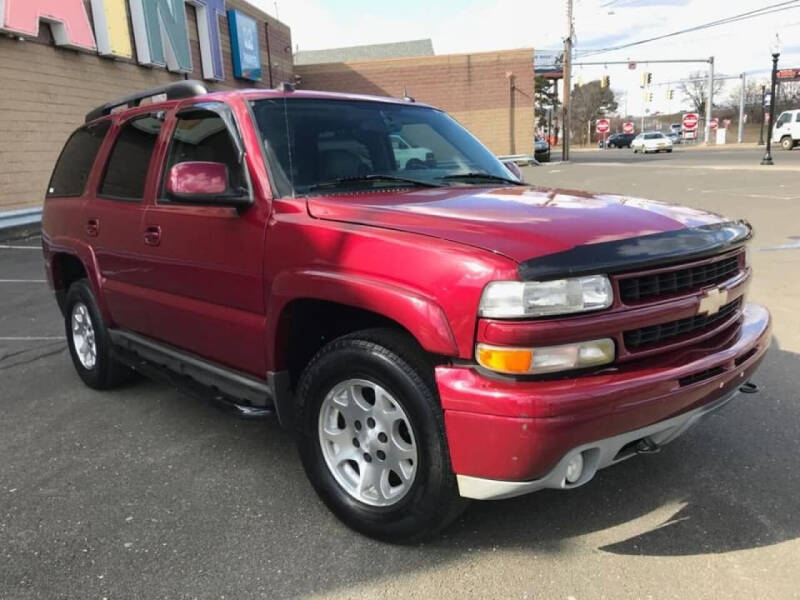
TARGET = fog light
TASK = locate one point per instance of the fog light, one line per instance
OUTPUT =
(575, 468)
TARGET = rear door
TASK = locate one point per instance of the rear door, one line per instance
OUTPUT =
(203, 264)
(113, 218)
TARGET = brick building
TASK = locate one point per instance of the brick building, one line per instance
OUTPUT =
(46, 89)
(60, 59)
(490, 93)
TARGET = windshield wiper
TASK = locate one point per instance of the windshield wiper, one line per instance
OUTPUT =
(477, 175)
(344, 181)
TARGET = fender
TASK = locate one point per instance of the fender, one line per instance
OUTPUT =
(85, 254)
(418, 313)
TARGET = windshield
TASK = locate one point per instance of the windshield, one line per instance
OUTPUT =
(315, 144)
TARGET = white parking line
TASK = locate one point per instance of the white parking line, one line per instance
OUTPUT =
(23, 280)
(33, 339)
(8, 247)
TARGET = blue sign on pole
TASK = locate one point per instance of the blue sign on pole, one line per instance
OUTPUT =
(244, 46)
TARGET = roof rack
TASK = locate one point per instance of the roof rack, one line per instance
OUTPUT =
(174, 91)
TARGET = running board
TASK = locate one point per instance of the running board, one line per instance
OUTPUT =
(245, 395)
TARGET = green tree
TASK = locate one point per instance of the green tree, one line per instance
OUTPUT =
(545, 97)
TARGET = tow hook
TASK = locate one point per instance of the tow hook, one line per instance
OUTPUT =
(748, 388)
(647, 446)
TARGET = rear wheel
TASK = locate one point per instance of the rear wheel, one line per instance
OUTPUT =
(371, 437)
(88, 340)
(787, 143)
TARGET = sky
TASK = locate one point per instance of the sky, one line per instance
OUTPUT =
(479, 25)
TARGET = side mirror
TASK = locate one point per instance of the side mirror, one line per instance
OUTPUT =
(513, 168)
(204, 183)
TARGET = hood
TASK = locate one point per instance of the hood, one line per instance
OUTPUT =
(518, 222)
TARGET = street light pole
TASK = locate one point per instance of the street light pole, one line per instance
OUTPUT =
(767, 160)
(567, 61)
(741, 110)
(763, 114)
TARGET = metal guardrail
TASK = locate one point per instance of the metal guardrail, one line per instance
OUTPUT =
(520, 159)
(20, 218)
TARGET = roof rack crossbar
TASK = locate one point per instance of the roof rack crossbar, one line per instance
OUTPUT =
(174, 91)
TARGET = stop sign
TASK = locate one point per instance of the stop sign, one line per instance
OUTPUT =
(714, 122)
(690, 121)
(628, 127)
(603, 125)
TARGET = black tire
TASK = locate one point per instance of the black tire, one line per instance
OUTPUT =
(107, 372)
(393, 360)
(787, 143)
(669, 151)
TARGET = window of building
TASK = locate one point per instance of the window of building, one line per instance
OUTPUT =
(128, 165)
(76, 161)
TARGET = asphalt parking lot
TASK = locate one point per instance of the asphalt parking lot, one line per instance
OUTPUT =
(146, 493)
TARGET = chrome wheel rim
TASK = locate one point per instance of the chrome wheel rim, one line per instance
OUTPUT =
(83, 336)
(367, 442)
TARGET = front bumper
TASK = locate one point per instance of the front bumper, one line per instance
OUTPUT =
(511, 437)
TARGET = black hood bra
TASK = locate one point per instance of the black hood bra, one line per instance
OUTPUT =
(638, 252)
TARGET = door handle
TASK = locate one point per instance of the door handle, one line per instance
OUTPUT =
(92, 227)
(152, 235)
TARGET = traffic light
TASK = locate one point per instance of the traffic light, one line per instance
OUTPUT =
(647, 78)
(605, 81)
(651, 97)
(670, 94)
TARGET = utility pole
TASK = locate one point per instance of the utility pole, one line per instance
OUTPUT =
(741, 109)
(710, 101)
(565, 116)
(763, 114)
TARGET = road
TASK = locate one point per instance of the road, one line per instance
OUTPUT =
(146, 493)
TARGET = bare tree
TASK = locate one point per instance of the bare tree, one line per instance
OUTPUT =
(752, 99)
(696, 90)
(589, 102)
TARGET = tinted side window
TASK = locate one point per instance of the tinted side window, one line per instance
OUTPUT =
(126, 171)
(76, 160)
(201, 136)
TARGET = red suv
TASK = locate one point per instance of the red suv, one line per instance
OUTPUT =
(431, 332)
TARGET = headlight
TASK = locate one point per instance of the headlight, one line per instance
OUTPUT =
(547, 359)
(519, 299)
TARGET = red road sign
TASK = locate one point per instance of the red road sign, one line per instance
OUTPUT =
(714, 122)
(603, 125)
(690, 121)
(628, 127)
(788, 74)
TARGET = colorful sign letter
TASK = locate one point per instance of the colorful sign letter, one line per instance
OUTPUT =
(67, 19)
(244, 46)
(208, 14)
(111, 28)
(162, 37)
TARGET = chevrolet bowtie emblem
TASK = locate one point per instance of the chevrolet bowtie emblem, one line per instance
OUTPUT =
(713, 301)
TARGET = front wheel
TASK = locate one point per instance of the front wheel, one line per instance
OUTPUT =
(787, 143)
(371, 436)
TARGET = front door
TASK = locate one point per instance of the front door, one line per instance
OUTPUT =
(204, 262)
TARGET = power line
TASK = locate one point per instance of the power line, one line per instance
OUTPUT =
(774, 8)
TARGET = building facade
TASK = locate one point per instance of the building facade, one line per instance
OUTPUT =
(490, 93)
(61, 58)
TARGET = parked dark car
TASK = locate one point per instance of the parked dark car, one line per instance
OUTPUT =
(619, 140)
(541, 149)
